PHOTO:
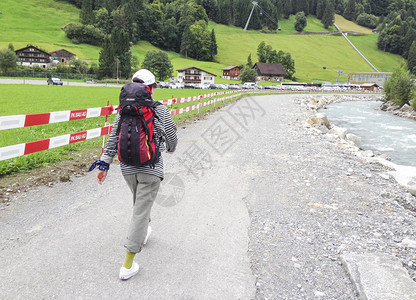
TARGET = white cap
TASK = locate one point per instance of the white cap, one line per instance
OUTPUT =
(145, 75)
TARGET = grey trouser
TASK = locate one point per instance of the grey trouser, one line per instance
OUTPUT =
(144, 188)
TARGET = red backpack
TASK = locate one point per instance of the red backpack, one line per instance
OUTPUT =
(137, 143)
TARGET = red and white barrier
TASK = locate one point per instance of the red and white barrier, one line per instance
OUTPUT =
(179, 111)
(195, 98)
(58, 141)
(18, 121)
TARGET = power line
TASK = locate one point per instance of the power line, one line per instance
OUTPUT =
(269, 17)
(262, 11)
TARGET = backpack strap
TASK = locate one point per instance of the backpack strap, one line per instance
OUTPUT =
(145, 124)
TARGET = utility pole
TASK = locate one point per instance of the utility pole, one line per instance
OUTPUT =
(249, 17)
(117, 69)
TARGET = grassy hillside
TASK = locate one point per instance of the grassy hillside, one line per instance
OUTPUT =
(287, 26)
(310, 52)
(346, 25)
(39, 22)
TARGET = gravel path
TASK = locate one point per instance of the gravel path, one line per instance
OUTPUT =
(254, 206)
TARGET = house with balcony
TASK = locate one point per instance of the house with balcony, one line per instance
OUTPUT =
(195, 75)
(61, 56)
(231, 73)
(33, 56)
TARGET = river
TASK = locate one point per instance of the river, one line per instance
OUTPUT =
(380, 131)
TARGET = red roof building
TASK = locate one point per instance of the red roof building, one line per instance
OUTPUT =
(231, 72)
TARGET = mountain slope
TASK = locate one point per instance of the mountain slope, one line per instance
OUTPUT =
(39, 22)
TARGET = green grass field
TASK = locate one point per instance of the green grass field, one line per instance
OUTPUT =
(32, 99)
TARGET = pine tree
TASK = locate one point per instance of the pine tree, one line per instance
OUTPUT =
(106, 59)
(287, 8)
(261, 52)
(121, 50)
(186, 43)
(214, 47)
(328, 16)
(411, 58)
(349, 12)
(86, 15)
(249, 61)
(304, 6)
(320, 8)
(312, 7)
(408, 40)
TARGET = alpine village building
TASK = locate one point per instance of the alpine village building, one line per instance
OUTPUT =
(32, 56)
(61, 56)
(195, 75)
(231, 73)
(269, 72)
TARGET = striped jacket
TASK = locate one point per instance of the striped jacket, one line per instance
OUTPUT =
(164, 123)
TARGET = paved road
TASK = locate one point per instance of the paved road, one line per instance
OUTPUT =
(253, 207)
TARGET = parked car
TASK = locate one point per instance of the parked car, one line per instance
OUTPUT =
(188, 85)
(201, 86)
(233, 87)
(90, 81)
(55, 81)
(162, 85)
(177, 86)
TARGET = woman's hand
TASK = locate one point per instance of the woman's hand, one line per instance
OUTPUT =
(101, 175)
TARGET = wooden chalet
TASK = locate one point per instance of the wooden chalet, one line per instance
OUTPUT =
(269, 72)
(231, 72)
(33, 56)
(61, 56)
(195, 75)
(369, 86)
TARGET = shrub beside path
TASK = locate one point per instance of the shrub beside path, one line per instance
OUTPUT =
(253, 206)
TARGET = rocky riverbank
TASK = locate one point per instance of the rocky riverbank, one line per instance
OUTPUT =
(406, 111)
(318, 123)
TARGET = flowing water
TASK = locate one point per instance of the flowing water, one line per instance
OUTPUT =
(379, 130)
